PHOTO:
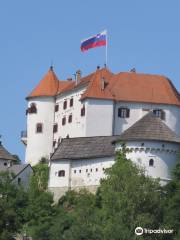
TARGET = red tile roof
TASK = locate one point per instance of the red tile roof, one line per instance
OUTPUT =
(49, 85)
(133, 87)
(124, 86)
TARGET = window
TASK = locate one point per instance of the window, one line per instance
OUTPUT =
(159, 113)
(71, 102)
(54, 143)
(32, 108)
(86, 170)
(63, 121)
(19, 181)
(80, 171)
(151, 162)
(39, 128)
(5, 164)
(74, 171)
(96, 169)
(65, 104)
(70, 119)
(61, 173)
(55, 128)
(83, 111)
(123, 112)
(91, 169)
(56, 108)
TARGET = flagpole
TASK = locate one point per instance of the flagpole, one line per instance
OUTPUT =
(106, 46)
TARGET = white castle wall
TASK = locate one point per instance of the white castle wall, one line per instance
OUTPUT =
(138, 110)
(99, 119)
(164, 155)
(78, 173)
(40, 144)
(77, 127)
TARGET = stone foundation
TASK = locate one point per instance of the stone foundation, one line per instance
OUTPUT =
(58, 192)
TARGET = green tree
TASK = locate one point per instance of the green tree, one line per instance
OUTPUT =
(129, 199)
(40, 210)
(172, 203)
(12, 202)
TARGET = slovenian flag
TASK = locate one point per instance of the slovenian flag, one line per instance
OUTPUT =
(96, 41)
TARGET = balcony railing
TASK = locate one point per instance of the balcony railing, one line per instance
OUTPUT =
(23, 134)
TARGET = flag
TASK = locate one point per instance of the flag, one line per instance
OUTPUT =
(96, 41)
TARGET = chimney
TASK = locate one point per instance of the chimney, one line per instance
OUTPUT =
(104, 83)
(78, 76)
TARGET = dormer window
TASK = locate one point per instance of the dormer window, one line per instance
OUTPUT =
(56, 108)
(55, 128)
(63, 121)
(159, 113)
(65, 104)
(123, 112)
(39, 128)
(71, 102)
(83, 111)
(32, 108)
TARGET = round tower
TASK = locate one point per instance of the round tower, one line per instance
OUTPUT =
(40, 119)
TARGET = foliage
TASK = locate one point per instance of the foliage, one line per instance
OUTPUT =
(125, 199)
(12, 203)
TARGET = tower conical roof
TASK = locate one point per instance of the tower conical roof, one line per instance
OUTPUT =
(48, 86)
(150, 127)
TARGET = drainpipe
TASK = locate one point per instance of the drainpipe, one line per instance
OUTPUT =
(113, 120)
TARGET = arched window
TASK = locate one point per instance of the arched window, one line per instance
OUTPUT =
(39, 128)
(61, 173)
(151, 162)
(32, 108)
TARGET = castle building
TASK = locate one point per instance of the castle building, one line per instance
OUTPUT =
(99, 106)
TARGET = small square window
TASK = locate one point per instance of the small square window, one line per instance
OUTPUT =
(39, 128)
(123, 112)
